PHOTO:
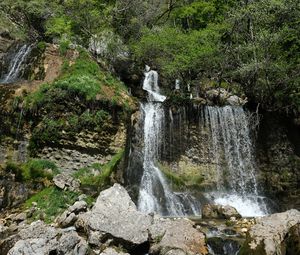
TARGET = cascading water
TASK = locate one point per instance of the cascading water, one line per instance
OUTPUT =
(155, 194)
(15, 65)
(232, 147)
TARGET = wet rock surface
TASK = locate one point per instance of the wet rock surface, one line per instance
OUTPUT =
(210, 211)
(176, 236)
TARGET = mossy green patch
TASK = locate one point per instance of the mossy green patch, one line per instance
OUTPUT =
(33, 170)
(180, 181)
(6, 25)
(99, 175)
(50, 202)
(84, 97)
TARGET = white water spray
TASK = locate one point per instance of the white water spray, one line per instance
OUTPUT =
(232, 147)
(154, 193)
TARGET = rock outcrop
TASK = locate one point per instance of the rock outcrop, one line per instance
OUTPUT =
(39, 238)
(66, 182)
(210, 211)
(114, 215)
(267, 236)
(176, 237)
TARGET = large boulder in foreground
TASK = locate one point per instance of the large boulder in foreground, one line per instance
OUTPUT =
(39, 238)
(176, 236)
(115, 216)
(269, 235)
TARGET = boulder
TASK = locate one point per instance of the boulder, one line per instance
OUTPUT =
(114, 215)
(69, 216)
(222, 96)
(39, 238)
(291, 243)
(112, 251)
(176, 236)
(267, 236)
(64, 181)
(235, 101)
(210, 211)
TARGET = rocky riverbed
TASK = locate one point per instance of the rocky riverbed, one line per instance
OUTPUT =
(113, 225)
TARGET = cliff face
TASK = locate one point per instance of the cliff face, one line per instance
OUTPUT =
(48, 114)
(59, 124)
(277, 151)
(189, 160)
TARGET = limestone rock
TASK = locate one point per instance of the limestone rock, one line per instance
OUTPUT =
(39, 238)
(235, 101)
(266, 237)
(115, 215)
(111, 251)
(176, 237)
(64, 181)
(222, 96)
(69, 217)
(210, 211)
(77, 207)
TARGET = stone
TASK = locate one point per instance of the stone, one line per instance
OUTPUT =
(20, 217)
(176, 236)
(66, 219)
(210, 211)
(39, 238)
(115, 215)
(267, 236)
(112, 251)
(64, 181)
(77, 207)
(69, 216)
(235, 101)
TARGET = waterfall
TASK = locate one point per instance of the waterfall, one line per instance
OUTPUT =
(155, 194)
(15, 65)
(233, 150)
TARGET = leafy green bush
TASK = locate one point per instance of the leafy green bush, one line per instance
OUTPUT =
(41, 46)
(63, 47)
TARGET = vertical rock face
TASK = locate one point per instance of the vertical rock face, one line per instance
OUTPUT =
(268, 236)
(277, 152)
(187, 153)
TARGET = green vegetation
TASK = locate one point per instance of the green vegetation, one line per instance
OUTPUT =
(181, 181)
(99, 175)
(33, 170)
(51, 202)
(254, 44)
(6, 25)
(83, 98)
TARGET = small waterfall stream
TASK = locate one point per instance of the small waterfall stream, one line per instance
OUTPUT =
(233, 150)
(15, 65)
(155, 194)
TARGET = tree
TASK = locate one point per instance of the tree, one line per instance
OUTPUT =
(261, 52)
